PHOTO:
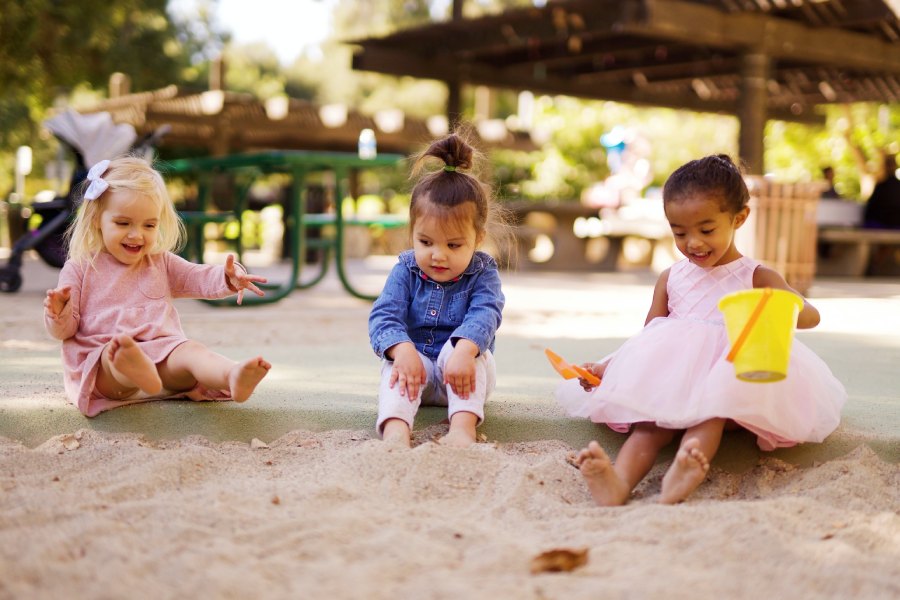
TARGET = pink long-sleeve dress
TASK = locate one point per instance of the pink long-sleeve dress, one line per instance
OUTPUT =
(109, 298)
(674, 373)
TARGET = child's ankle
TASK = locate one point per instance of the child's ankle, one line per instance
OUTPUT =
(396, 431)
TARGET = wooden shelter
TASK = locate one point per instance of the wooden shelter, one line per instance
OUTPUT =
(756, 59)
(220, 122)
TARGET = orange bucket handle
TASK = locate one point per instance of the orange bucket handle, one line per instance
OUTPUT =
(748, 326)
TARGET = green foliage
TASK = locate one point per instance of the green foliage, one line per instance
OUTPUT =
(48, 49)
(51, 50)
(853, 140)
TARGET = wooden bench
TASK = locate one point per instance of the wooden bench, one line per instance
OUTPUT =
(571, 250)
(856, 252)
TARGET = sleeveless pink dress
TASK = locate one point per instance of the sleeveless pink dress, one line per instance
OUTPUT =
(674, 373)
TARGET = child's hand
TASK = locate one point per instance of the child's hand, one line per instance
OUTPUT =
(459, 372)
(597, 369)
(56, 300)
(408, 370)
(240, 279)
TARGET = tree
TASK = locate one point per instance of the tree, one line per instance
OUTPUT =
(50, 48)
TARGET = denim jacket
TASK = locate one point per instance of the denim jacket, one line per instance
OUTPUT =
(414, 308)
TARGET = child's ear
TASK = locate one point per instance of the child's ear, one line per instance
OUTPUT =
(741, 217)
(479, 238)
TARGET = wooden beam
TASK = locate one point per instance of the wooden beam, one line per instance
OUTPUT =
(687, 22)
(533, 79)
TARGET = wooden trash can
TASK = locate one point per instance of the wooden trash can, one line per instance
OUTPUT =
(781, 229)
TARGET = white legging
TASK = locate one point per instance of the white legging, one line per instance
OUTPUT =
(391, 405)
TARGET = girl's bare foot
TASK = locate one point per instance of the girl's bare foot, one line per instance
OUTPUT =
(688, 471)
(245, 376)
(130, 362)
(396, 433)
(605, 485)
(458, 438)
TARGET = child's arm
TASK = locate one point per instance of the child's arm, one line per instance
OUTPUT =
(659, 307)
(765, 277)
(474, 335)
(190, 280)
(387, 320)
(389, 336)
(60, 315)
(484, 312)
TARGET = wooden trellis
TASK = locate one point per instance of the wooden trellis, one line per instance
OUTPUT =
(781, 229)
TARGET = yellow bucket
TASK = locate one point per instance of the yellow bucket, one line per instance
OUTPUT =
(760, 324)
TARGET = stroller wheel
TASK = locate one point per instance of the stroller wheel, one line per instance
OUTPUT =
(10, 281)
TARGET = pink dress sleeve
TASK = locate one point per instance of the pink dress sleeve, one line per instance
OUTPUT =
(66, 325)
(190, 280)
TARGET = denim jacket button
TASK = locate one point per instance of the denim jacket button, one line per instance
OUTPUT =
(433, 312)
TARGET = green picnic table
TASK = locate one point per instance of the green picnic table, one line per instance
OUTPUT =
(298, 164)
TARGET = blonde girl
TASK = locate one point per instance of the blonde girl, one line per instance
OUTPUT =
(122, 340)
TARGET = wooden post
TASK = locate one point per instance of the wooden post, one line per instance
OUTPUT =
(752, 110)
(119, 85)
(217, 74)
(454, 104)
(454, 99)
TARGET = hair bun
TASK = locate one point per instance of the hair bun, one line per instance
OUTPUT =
(454, 151)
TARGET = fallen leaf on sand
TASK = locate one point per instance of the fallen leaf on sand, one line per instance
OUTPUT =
(559, 559)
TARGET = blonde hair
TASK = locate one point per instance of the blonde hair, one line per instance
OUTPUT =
(135, 175)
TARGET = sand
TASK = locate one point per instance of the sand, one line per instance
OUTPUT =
(100, 511)
(341, 515)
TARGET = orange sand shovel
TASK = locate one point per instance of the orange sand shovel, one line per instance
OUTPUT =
(568, 370)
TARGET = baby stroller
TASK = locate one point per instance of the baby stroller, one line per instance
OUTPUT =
(91, 137)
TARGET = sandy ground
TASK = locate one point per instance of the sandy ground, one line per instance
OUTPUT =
(104, 510)
(340, 515)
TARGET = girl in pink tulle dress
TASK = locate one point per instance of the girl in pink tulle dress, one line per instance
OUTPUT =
(122, 341)
(672, 377)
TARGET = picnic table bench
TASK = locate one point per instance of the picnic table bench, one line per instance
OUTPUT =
(571, 243)
(852, 251)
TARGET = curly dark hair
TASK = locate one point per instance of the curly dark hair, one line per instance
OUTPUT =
(715, 176)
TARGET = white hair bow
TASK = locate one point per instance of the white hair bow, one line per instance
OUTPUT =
(98, 184)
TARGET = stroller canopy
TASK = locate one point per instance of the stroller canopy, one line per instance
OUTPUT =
(94, 136)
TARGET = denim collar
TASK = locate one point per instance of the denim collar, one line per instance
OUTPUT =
(480, 260)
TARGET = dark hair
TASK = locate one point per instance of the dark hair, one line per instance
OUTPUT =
(445, 191)
(715, 175)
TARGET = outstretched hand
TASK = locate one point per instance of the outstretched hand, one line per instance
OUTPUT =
(240, 280)
(56, 300)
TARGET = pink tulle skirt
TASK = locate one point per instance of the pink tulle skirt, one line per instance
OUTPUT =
(674, 373)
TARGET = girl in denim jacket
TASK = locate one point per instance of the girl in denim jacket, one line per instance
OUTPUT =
(435, 322)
